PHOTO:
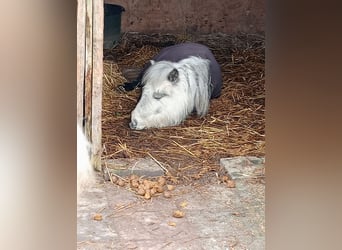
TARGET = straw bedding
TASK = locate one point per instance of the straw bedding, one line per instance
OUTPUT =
(234, 126)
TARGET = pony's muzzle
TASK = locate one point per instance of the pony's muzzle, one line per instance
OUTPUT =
(133, 124)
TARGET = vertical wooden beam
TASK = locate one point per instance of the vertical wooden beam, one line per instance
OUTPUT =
(90, 22)
(81, 10)
(98, 23)
(88, 67)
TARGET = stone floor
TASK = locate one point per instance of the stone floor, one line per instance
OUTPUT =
(216, 217)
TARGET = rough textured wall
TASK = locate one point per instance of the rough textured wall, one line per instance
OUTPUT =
(193, 16)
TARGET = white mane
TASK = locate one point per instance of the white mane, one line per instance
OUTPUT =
(85, 174)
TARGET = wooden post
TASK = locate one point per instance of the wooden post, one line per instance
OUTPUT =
(88, 67)
(81, 8)
(90, 23)
(98, 25)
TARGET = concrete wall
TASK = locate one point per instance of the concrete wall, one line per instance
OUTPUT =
(193, 16)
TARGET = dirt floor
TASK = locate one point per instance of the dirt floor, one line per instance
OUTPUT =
(234, 126)
(197, 216)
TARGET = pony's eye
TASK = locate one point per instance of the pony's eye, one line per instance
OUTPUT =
(157, 95)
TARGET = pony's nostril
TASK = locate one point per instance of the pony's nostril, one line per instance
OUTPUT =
(133, 124)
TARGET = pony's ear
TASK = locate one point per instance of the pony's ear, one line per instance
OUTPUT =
(152, 62)
(173, 76)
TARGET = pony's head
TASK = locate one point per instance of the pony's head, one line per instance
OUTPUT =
(171, 91)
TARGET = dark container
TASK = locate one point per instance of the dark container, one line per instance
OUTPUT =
(112, 25)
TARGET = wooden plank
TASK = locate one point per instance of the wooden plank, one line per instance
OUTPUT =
(90, 21)
(98, 23)
(88, 67)
(81, 9)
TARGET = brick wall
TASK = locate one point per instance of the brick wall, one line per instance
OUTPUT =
(193, 16)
